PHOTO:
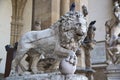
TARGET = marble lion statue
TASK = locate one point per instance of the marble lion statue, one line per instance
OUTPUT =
(62, 38)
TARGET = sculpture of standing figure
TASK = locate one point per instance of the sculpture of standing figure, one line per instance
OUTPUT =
(113, 35)
(84, 10)
(89, 43)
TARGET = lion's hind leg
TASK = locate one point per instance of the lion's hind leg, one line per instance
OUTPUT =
(35, 56)
(16, 61)
(35, 60)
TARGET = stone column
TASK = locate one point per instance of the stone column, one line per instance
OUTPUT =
(12, 38)
(64, 6)
(13, 22)
(17, 16)
(55, 11)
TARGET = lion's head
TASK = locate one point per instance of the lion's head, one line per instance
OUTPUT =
(72, 29)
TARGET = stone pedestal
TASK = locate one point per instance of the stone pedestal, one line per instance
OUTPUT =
(49, 76)
(113, 72)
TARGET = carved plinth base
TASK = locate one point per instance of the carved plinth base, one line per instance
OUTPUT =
(88, 72)
(49, 76)
(113, 72)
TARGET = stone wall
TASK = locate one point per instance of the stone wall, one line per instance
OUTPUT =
(5, 20)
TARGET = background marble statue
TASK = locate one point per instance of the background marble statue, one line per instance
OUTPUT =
(89, 43)
(113, 35)
(84, 10)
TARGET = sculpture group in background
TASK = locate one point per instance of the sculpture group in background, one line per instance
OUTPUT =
(84, 10)
(113, 35)
(62, 39)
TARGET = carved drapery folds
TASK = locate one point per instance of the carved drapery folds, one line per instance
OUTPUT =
(17, 18)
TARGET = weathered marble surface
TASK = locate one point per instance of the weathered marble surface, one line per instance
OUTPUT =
(50, 76)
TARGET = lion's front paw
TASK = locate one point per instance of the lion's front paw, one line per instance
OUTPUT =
(35, 70)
